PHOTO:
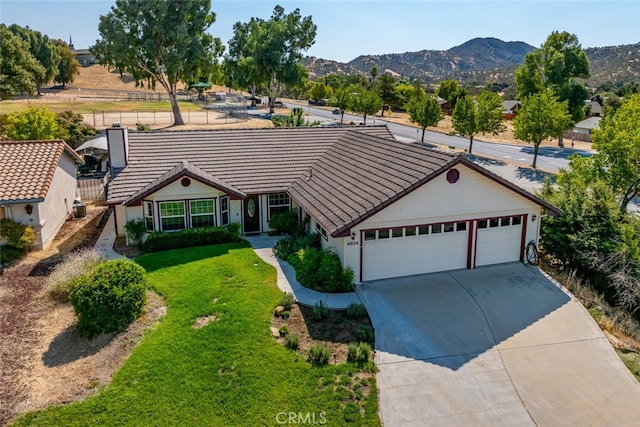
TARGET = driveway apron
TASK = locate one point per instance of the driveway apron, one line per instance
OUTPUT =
(494, 346)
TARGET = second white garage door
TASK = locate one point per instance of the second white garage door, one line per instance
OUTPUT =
(498, 240)
(406, 251)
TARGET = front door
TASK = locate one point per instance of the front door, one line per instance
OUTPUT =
(251, 215)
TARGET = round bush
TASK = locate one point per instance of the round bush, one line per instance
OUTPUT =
(109, 297)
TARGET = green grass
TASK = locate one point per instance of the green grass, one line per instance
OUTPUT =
(228, 373)
(107, 106)
(632, 360)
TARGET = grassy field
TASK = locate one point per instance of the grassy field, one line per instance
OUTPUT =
(228, 373)
(98, 106)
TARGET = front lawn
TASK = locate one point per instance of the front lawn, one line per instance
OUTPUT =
(230, 372)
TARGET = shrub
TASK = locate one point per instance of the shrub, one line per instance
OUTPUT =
(293, 342)
(319, 354)
(18, 235)
(358, 353)
(283, 331)
(356, 311)
(289, 245)
(141, 127)
(320, 310)
(286, 222)
(161, 240)
(285, 314)
(9, 254)
(320, 269)
(365, 333)
(67, 274)
(109, 297)
(136, 228)
(287, 301)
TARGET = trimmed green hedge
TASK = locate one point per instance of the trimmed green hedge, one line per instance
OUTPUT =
(162, 240)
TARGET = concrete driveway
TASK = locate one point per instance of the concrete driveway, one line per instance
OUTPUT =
(495, 346)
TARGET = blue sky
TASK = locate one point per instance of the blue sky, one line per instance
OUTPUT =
(347, 29)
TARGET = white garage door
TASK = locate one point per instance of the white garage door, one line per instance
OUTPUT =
(499, 240)
(405, 251)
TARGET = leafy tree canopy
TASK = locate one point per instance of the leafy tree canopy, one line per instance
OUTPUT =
(617, 142)
(424, 110)
(268, 54)
(19, 69)
(161, 42)
(482, 114)
(451, 91)
(69, 66)
(43, 50)
(555, 66)
(34, 123)
(541, 117)
(365, 102)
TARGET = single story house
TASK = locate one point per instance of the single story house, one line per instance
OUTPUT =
(386, 208)
(592, 107)
(582, 130)
(510, 109)
(38, 185)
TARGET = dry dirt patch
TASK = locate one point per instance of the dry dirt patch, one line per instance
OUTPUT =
(42, 358)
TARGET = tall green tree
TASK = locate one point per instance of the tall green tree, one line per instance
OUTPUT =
(541, 117)
(34, 123)
(374, 74)
(69, 67)
(617, 142)
(556, 65)
(269, 53)
(385, 87)
(424, 110)
(161, 42)
(451, 91)
(320, 91)
(19, 69)
(365, 102)
(343, 100)
(43, 50)
(480, 115)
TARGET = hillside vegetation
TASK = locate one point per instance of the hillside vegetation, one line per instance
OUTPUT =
(482, 60)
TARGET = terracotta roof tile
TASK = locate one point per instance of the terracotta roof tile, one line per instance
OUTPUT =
(27, 168)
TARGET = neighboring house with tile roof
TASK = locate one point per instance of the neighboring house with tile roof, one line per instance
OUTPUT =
(38, 185)
(386, 208)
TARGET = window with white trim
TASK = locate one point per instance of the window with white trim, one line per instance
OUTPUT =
(172, 216)
(279, 202)
(148, 215)
(202, 213)
(321, 231)
(224, 210)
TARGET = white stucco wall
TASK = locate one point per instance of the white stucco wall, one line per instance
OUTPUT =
(49, 215)
(474, 196)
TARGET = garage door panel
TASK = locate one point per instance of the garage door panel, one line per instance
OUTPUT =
(412, 255)
(498, 245)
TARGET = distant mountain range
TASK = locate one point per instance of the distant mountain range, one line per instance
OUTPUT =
(483, 60)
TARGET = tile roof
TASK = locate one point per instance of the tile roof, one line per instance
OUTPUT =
(27, 168)
(361, 175)
(254, 161)
(339, 176)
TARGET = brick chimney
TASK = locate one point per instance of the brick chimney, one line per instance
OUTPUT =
(118, 146)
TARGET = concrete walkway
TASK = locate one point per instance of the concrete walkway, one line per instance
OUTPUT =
(107, 239)
(263, 245)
